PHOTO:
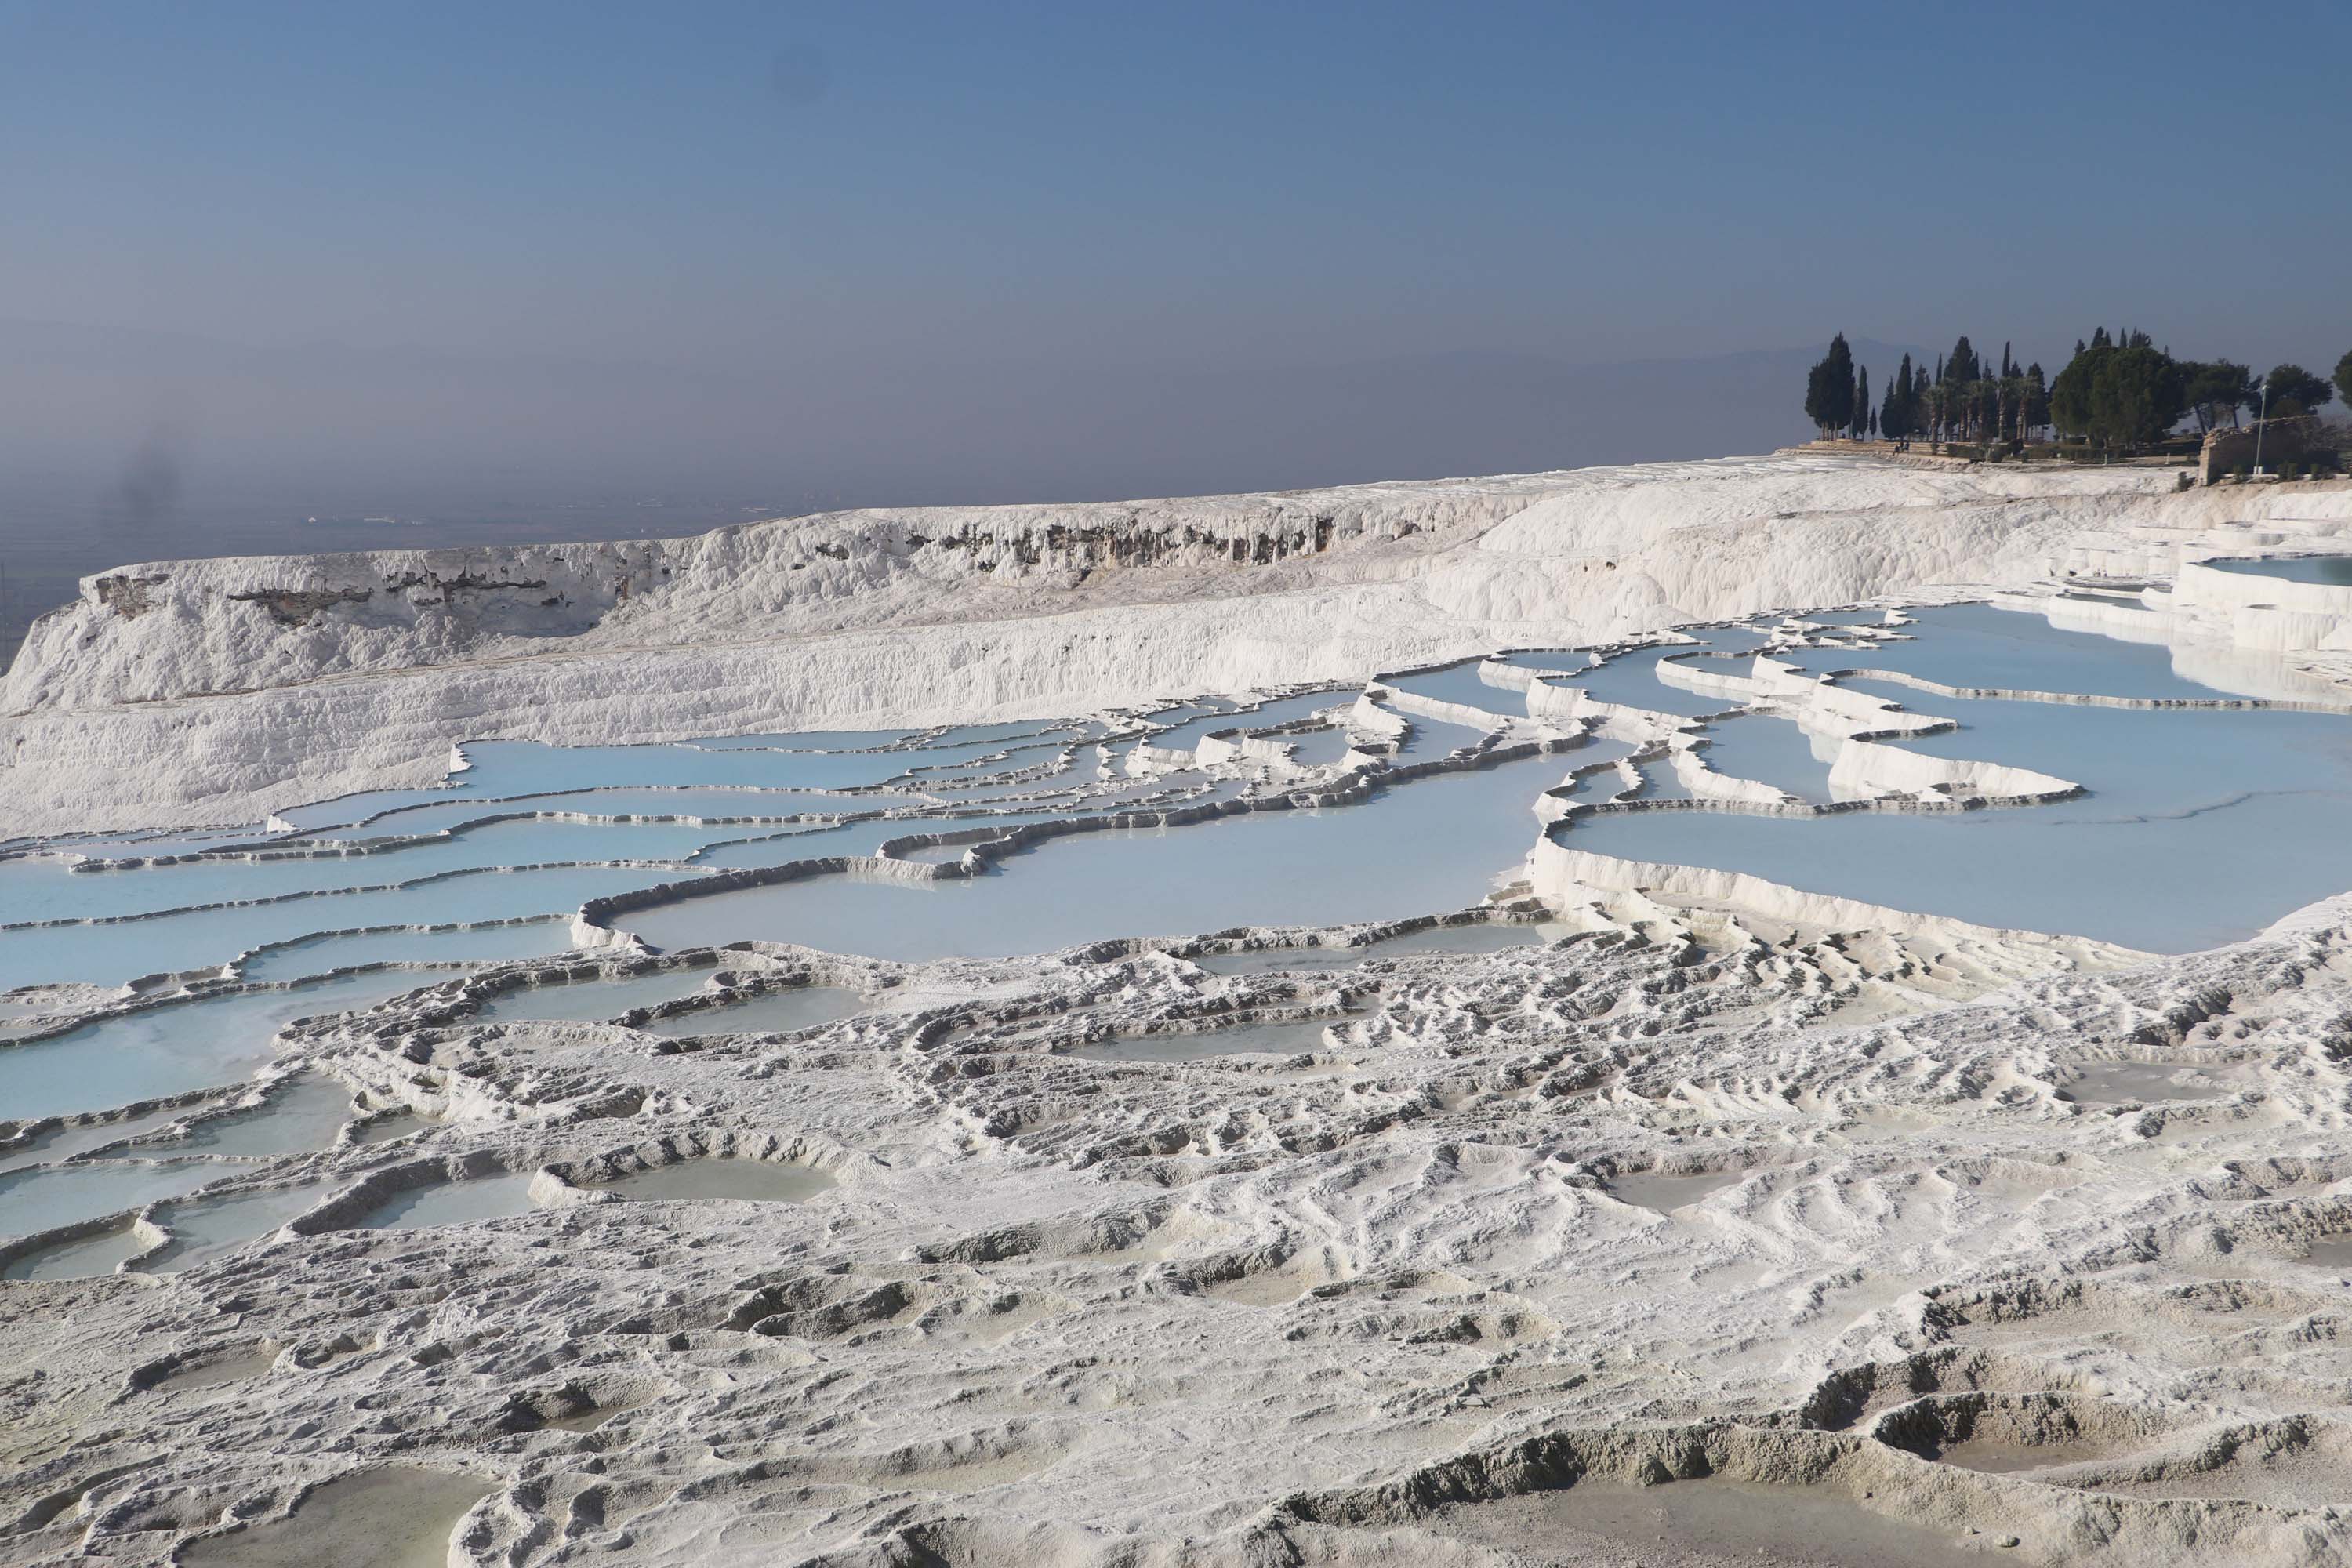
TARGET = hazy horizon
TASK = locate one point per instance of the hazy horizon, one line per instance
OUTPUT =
(511, 267)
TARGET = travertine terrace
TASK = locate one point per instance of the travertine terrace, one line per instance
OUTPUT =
(557, 1195)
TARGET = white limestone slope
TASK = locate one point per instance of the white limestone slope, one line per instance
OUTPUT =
(1899, 1239)
(222, 690)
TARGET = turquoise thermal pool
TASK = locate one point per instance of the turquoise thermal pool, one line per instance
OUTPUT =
(2196, 824)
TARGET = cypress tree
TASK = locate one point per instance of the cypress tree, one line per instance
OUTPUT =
(1961, 364)
(1893, 419)
(1861, 419)
(1829, 389)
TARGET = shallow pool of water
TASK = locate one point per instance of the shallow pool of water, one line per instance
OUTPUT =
(1630, 680)
(2330, 1252)
(84, 1260)
(1552, 661)
(41, 1200)
(1772, 751)
(391, 1518)
(1663, 1191)
(775, 1012)
(523, 939)
(67, 1141)
(218, 1371)
(2128, 1082)
(1430, 844)
(1183, 737)
(1482, 938)
(1976, 646)
(201, 939)
(526, 767)
(1431, 738)
(454, 1203)
(1316, 747)
(208, 1228)
(2332, 571)
(1712, 1522)
(304, 1114)
(634, 801)
(1461, 683)
(591, 1001)
(720, 1176)
(174, 1048)
(2201, 826)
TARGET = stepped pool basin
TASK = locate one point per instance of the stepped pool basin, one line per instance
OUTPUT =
(2196, 824)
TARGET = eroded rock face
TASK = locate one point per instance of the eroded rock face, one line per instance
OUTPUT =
(126, 594)
(299, 607)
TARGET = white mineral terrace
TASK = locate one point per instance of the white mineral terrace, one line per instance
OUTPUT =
(1785, 1008)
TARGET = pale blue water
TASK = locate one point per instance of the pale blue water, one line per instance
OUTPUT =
(591, 1001)
(1737, 641)
(45, 890)
(1488, 938)
(971, 736)
(1979, 646)
(1460, 683)
(1557, 661)
(2239, 810)
(1183, 737)
(970, 764)
(303, 1114)
(629, 802)
(777, 1012)
(173, 1049)
(1630, 679)
(525, 767)
(84, 1260)
(208, 1228)
(867, 838)
(454, 1203)
(62, 1195)
(65, 1141)
(355, 808)
(1431, 738)
(2201, 826)
(1426, 846)
(1316, 748)
(1771, 751)
(808, 843)
(1660, 780)
(205, 938)
(2333, 571)
(316, 955)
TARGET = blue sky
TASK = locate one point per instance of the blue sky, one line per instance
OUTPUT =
(826, 203)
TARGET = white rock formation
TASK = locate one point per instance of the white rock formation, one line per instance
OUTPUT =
(219, 690)
(1737, 1225)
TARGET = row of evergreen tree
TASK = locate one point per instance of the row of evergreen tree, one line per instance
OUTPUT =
(2119, 393)
(1965, 398)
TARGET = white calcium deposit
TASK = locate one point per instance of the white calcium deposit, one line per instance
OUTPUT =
(219, 690)
(1729, 1224)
